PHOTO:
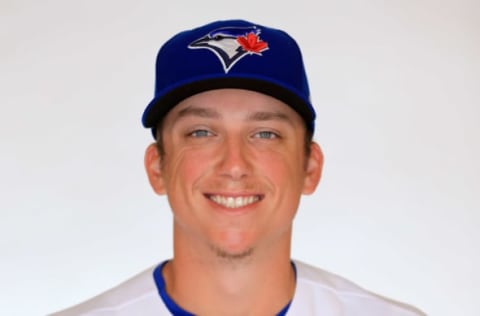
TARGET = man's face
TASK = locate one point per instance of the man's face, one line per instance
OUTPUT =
(234, 170)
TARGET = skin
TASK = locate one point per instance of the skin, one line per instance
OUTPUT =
(234, 170)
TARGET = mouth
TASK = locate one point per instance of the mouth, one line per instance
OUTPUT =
(234, 201)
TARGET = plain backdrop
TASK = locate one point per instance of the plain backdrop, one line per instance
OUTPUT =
(396, 86)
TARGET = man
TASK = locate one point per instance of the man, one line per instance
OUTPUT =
(233, 125)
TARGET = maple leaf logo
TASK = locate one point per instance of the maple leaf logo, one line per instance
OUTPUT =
(252, 43)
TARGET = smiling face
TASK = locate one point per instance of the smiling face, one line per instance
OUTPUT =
(234, 170)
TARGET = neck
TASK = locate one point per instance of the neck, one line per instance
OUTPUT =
(260, 282)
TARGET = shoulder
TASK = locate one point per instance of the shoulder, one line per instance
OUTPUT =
(138, 293)
(319, 290)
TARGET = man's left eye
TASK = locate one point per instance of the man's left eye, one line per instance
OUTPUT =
(266, 135)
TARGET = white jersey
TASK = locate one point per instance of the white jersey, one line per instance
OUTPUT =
(317, 293)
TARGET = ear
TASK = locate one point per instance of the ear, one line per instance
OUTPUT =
(153, 167)
(313, 169)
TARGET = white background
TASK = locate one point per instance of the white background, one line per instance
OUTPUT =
(397, 88)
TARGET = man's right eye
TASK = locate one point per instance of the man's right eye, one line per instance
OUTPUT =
(200, 133)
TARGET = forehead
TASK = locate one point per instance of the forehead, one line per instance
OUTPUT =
(233, 103)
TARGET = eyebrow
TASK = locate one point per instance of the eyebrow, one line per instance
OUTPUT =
(270, 116)
(262, 116)
(198, 111)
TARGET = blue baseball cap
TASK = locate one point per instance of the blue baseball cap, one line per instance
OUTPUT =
(230, 54)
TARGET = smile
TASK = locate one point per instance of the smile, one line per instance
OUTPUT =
(234, 202)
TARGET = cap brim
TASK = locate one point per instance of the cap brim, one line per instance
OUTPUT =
(166, 100)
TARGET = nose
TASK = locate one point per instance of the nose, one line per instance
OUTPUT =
(234, 160)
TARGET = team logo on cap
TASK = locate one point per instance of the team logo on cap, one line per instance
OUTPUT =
(231, 44)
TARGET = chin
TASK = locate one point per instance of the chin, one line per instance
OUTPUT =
(232, 245)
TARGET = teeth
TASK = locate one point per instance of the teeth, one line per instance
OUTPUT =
(234, 202)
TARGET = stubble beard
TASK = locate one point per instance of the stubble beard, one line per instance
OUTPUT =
(232, 257)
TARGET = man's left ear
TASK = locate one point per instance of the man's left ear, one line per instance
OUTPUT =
(313, 169)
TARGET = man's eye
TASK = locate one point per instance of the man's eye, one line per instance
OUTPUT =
(200, 133)
(266, 135)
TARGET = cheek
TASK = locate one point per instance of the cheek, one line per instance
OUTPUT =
(185, 167)
(286, 169)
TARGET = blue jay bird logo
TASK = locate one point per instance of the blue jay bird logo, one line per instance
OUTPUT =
(230, 44)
